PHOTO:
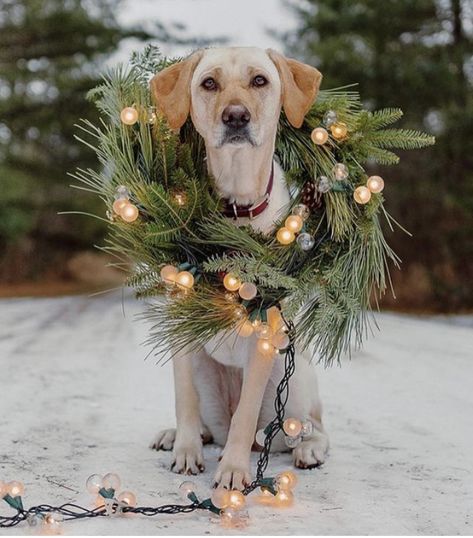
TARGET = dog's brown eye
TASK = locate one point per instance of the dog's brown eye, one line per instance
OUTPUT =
(259, 81)
(209, 84)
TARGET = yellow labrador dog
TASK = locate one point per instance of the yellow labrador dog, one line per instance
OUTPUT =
(234, 97)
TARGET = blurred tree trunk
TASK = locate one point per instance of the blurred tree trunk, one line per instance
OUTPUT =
(416, 54)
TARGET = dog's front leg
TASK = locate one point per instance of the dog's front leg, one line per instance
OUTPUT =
(187, 451)
(234, 468)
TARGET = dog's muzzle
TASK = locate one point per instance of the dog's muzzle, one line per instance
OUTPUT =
(236, 119)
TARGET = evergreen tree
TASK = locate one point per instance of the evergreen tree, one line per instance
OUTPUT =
(415, 54)
(49, 56)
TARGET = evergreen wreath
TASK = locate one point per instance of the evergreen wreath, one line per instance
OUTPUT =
(327, 259)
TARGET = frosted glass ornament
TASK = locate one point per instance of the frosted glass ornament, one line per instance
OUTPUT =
(323, 184)
(302, 211)
(305, 241)
(248, 291)
(340, 171)
(330, 117)
(307, 428)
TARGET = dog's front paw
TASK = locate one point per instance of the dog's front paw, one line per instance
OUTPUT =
(311, 452)
(188, 458)
(232, 475)
(164, 440)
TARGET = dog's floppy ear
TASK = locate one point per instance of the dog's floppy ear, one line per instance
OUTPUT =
(171, 90)
(300, 85)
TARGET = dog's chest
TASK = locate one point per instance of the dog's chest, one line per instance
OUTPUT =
(230, 350)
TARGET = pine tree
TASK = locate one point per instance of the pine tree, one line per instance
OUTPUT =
(50, 52)
(413, 54)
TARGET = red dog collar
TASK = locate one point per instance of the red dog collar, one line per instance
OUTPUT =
(251, 211)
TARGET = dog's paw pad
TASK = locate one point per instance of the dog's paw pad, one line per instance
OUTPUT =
(164, 440)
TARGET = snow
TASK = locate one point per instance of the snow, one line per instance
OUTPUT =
(77, 397)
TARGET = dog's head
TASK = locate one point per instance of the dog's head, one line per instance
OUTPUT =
(235, 95)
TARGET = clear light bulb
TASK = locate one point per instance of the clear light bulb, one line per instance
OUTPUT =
(265, 347)
(340, 171)
(186, 488)
(264, 330)
(280, 340)
(168, 273)
(245, 329)
(220, 498)
(231, 282)
(185, 279)
(260, 437)
(129, 115)
(307, 428)
(286, 480)
(302, 211)
(284, 498)
(119, 204)
(239, 312)
(248, 291)
(292, 427)
(52, 523)
(362, 195)
(15, 488)
(111, 481)
(339, 130)
(94, 483)
(294, 223)
(319, 136)
(236, 499)
(375, 184)
(129, 212)
(127, 497)
(285, 236)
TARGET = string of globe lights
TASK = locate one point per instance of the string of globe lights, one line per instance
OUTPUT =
(228, 506)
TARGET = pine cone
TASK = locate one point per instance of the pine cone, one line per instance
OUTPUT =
(310, 196)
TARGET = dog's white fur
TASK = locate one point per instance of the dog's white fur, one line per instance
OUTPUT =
(226, 392)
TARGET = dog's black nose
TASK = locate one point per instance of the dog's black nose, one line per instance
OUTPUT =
(236, 116)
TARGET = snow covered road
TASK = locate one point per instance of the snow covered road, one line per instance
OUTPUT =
(76, 398)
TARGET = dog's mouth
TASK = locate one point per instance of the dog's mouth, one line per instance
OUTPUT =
(239, 137)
